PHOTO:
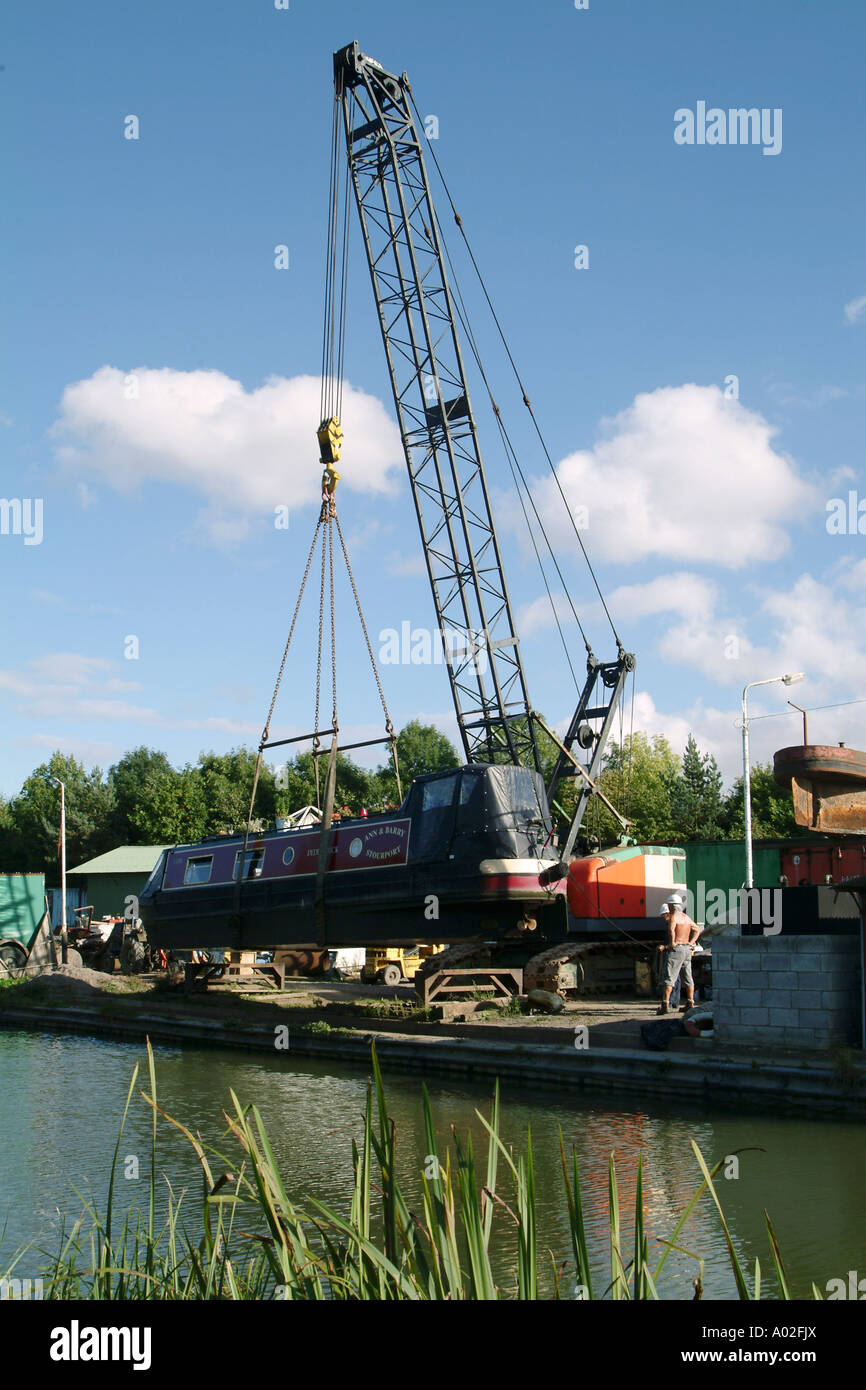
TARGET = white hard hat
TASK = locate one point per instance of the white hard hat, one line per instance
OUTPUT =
(675, 900)
(663, 910)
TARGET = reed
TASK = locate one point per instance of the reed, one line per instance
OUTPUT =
(250, 1240)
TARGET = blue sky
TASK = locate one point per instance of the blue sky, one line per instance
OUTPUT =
(707, 514)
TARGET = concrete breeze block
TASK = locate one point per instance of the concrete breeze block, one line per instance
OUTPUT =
(776, 999)
(781, 979)
(746, 998)
(811, 979)
(752, 979)
(784, 1018)
(813, 1019)
(724, 979)
(756, 1017)
(807, 999)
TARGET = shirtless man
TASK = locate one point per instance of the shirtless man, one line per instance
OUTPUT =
(682, 935)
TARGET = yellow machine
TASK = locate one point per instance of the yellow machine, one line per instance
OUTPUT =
(389, 965)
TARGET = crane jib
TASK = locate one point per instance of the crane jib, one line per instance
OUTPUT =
(418, 320)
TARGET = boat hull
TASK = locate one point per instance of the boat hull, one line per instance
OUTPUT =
(391, 906)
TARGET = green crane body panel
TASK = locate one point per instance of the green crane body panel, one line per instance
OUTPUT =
(22, 906)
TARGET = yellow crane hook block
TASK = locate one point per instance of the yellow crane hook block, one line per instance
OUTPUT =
(330, 437)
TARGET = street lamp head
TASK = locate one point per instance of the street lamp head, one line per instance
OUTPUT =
(792, 680)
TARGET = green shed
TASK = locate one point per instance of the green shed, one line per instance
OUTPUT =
(22, 906)
(113, 878)
(722, 864)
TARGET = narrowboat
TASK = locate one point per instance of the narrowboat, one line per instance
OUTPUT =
(468, 855)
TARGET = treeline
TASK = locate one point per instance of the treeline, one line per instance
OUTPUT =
(673, 799)
(143, 799)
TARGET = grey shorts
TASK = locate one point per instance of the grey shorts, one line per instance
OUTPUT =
(678, 959)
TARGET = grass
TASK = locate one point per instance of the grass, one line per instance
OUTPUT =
(391, 1008)
(513, 1009)
(247, 1239)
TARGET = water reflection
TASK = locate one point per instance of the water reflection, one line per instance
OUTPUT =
(62, 1097)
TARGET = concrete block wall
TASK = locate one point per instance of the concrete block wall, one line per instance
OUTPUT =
(794, 991)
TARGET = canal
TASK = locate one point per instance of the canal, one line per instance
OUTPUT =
(62, 1096)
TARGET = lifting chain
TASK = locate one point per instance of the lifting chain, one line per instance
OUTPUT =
(389, 727)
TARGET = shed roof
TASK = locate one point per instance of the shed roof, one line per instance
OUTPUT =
(127, 859)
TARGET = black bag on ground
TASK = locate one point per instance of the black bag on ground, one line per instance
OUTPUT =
(656, 1035)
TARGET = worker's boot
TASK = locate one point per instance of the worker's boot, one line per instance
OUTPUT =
(664, 1007)
(689, 1004)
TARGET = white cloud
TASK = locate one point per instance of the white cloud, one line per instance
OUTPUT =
(50, 599)
(813, 397)
(852, 575)
(811, 626)
(718, 731)
(69, 666)
(86, 750)
(221, 725)
(821, 632)
(244, 452)
(86, 708)
(684, 473)
(855, 309)
(406, 566)
(682, 593)
(539, 614)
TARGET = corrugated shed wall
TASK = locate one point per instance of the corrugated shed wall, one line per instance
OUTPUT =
(22, 904)
(722, 864)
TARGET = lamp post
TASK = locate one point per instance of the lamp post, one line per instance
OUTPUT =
(64, 940)
(805, 720)
(747, 781)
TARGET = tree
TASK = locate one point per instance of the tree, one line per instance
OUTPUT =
(8, 839)
(34, 817)
(227, 784)
(175, 812)
(638, 778)
(134, 779)
(772, 808)
(696, 796)
(355, 786)
(421, 748)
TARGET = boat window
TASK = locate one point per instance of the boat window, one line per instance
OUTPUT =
(198, 870)
(468, 783)
(252, 863)
(439, 793)
(156, 874)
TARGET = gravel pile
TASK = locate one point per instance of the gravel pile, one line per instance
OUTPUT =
(71, 980)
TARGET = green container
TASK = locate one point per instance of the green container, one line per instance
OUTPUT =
(22, 906)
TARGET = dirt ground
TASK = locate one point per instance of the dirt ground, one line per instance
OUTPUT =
(613, 1021)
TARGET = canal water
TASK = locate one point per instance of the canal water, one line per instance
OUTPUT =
(61, 1099)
